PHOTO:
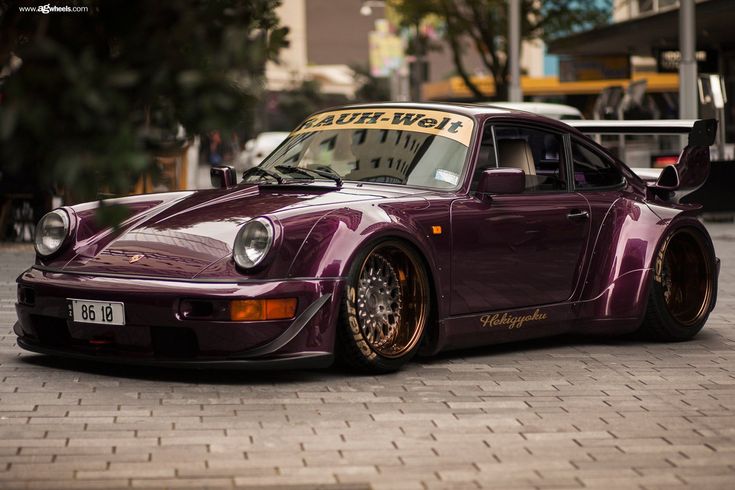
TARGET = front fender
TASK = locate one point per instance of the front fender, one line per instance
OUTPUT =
(336, 238)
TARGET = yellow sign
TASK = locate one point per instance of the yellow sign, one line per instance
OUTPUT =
(386, 50)
(447, 124)
(511, 321)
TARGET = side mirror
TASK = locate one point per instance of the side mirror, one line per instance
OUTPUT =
(502, 181)
(223, 177)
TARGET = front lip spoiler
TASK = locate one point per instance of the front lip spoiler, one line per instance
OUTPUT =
(301, 360)
(291, 332)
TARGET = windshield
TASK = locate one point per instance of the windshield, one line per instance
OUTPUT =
(420, 148)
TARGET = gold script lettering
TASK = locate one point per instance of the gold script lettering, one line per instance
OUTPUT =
(511, 321)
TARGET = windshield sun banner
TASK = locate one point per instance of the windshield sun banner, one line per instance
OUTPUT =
(447, 124)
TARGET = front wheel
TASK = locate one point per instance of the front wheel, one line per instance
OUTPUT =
(683, 289)
(385, 308)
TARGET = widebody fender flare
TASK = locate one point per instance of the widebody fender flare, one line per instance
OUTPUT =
(340, 235)
(617, 282)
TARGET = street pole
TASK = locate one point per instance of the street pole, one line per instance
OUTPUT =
(688, 61)
(417, 78)
(514, 52)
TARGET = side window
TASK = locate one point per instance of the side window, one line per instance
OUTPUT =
(592, 170)
(485, 157)
(538, 153)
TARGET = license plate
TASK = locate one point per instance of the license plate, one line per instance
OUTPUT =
(101, 312)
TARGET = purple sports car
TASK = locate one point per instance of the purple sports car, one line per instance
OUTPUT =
(374, 232)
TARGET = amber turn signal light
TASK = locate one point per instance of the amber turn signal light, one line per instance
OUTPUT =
(244, 310)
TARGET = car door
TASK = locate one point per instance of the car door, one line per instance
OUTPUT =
(521, 250)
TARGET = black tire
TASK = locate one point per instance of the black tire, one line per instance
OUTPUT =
(683, 289)
(383, 315)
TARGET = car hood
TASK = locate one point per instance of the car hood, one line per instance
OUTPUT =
(181, 238)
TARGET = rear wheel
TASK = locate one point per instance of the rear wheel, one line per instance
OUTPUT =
(682, 292)
(385, 309)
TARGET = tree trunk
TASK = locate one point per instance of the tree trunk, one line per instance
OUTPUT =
(501, 90)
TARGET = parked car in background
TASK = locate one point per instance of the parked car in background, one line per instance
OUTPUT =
(378, 231)
(554, 111)
(258, 148)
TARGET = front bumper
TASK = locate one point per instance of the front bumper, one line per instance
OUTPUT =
(156, 334)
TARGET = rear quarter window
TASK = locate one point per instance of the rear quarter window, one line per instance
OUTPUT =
(592, 170)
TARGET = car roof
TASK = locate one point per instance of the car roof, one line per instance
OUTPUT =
(461, 108)
(478, 111)
(542, 108)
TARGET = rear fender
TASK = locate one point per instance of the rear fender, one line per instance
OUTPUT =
(616, 292)
(616, 284)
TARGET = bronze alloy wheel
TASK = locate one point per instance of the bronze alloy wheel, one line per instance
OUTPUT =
(391, 300)
(686, 278)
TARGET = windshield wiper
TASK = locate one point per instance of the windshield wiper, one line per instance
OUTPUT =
(263, 172)
(310, 172)
(287, 169)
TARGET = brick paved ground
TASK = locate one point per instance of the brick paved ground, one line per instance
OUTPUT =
(564, 413)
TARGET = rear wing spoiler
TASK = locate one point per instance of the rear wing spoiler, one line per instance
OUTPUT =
(701, 132)
(691, 170)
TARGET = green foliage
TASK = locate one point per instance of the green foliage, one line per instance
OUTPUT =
(100, 93)
(296, 104)
(290, 107)
(482, 25)
(370, 89)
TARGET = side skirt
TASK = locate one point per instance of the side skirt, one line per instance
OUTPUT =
(496, 327)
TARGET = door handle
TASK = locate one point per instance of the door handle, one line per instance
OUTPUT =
(577, 215)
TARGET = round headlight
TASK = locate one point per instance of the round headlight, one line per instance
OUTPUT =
(51, 232)
(253, 242)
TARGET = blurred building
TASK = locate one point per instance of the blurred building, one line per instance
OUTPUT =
(328, 37)
(632, 62)
(646, 32)
(308, 56)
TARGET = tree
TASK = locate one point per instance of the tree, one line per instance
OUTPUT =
(294, 105)
(101, 92)
(370, 88)
(291, 107)
(483, 25)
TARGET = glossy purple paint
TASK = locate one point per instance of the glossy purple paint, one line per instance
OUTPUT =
(518, 255)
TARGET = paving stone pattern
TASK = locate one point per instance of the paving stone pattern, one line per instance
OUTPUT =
(562, 413)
